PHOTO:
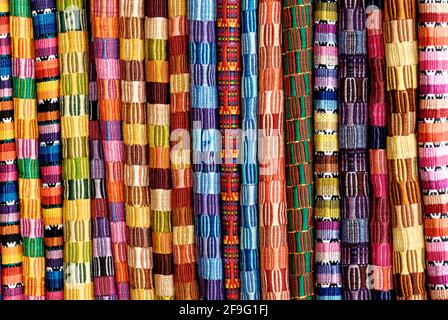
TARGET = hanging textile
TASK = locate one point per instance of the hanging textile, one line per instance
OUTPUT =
(158, 100)
(229, 86)
(327, 212)
(184, 247)
(380, 224)
(103, 268)
(404, 191)
(249, 255)
(10, 237)
(50, 157)
(206, 188)
(297, 82)
(73, 55)
(135, 137)
(353, 149)
(272, 193)
(26, 134)
(433, 140)
(105, 21)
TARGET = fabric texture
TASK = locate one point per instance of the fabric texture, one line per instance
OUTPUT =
(400, 40)
(297, 82)
(135, 137)
(327, 213)
(272, 182)
(184, 246)
(73, 66)
(50, 155)
(10, 237)
(380, 223)
(204, 108)
(27, 145)
(354, 180)
(158, 104)
(249, 253)
(105, 23)
(229, 97)
(102, 260)
(433, 140)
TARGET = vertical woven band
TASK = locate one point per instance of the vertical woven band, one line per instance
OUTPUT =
(73, 55)
(272, 183)
(327, 212)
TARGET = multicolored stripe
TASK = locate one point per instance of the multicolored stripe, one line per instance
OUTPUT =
(249, 255)
(206, 155)
(229, 97)
(184, 247)
(135, 137)
(297, 82)
(271, 150)
(103, 267)
(158, 101)
(404, 190)
(327, 214)
(433, 140)
(380, 224)
(73, 55)
(10, 237)
(27, 145)
(353, 121)
(105, 21)
(50, 155)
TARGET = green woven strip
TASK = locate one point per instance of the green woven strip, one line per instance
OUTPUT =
(297, 68)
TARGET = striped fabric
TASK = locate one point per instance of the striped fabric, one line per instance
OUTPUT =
(327, 213)
(50, 156)
(297, 81)
(103, 268)
(26, 134)
(380, 224)
(229, 97)
(353, 149)
(272, 184)
(73, 54)
(10, 238)
(401, 83)
(135, 137)
(206, 177)
(433, 140)
(184, 248)
(105, 23)
(158, 104)
(249, 255)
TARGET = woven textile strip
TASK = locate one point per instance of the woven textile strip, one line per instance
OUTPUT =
(26, 134)
(50, 156)
(229, 97)
(135, 137)
(249, 255)
(206, 187)
(272, 182)
(353, 149)
(297, 81)
(10, 237)
(404, 191)
(327, 213)
(105, 20)
(184, 247)
(73, 55)
(380, 226)
(433, 140)
(103, 267)
(158, 104)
